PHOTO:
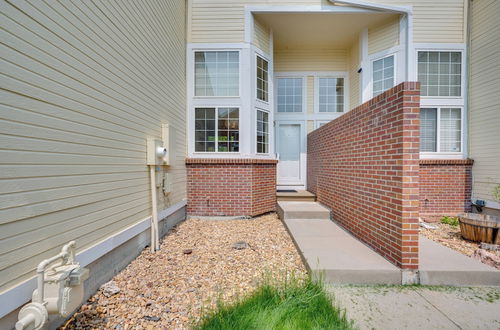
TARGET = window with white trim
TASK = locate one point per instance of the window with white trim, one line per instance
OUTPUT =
(262, 132)
(289, 94)
(440, 129)
(331, 94)
(262, 79)
(383, 74)
(440, 73)
(217, 129)
(216, 73)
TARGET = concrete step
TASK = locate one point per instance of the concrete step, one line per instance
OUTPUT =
(335, 256)
(302, 210)
(299, 196)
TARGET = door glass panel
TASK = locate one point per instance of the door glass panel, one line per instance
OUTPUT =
(289, 142)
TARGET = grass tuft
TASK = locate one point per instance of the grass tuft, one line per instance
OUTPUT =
(452, 221)
(293, 304)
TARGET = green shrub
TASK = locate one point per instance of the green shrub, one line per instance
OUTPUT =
(452, 221)
(292, 305)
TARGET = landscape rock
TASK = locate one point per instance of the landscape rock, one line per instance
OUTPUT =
(240, 245)
(168, 290)
(110, 288)
(487, 257)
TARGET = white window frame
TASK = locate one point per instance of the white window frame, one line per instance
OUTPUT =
(269, 85)
(303, 78)
(445, 101)
(318, 123)
(192, 65)
(217, 107)
(394, 71)
(446, 155)
(343, 75)
(269, 128)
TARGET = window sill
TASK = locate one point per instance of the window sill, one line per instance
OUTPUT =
(442, 155)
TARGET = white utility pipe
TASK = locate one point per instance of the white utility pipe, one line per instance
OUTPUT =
(155, 240)
(42, 266)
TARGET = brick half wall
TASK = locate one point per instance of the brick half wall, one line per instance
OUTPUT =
(230, 187)
(364, 165)
(445, 187)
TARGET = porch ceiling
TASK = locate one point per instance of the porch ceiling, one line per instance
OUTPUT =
(319, 30)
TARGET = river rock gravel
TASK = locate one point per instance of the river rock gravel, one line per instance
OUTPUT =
(170, 288)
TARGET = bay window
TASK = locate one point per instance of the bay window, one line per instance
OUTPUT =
(216, 129)
(216, 73)
(262, 132)
(262, 79)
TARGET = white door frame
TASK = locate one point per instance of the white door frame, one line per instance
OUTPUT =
(301, 184)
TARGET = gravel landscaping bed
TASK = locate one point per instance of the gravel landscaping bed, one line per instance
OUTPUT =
(450, 237)
(198, 264)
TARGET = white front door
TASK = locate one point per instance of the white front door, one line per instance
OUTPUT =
(289, 144)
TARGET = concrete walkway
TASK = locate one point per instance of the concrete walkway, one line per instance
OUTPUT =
(440, 265)
(333, 253)
(415, 307)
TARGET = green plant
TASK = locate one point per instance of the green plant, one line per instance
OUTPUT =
(452, 221)
(295, 304)
(496, 193)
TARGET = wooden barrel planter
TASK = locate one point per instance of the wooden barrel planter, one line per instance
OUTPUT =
(480, 227)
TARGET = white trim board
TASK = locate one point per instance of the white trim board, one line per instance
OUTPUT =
(20, 294)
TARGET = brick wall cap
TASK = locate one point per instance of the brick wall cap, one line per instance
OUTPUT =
(228, 161)
(446, 162)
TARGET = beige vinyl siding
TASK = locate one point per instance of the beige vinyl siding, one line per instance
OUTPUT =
(354, 76)
(223, 20)
(383, 36)
(435, 21)
(310, 94)
(310, 60)
(261, 37)
(310, 126)
(82, 86)
(484, 108)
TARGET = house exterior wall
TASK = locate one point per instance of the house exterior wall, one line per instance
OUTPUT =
(484, 101)
(383, 36)
(79, 97)
(354, 76)
(445, 187)
(231, 187)
(293, 60)
(223, 20)
(364, 167)
(261, 36)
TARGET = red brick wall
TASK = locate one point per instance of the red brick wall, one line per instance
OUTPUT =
(230, 187)
(445, 186)
(364, 165)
